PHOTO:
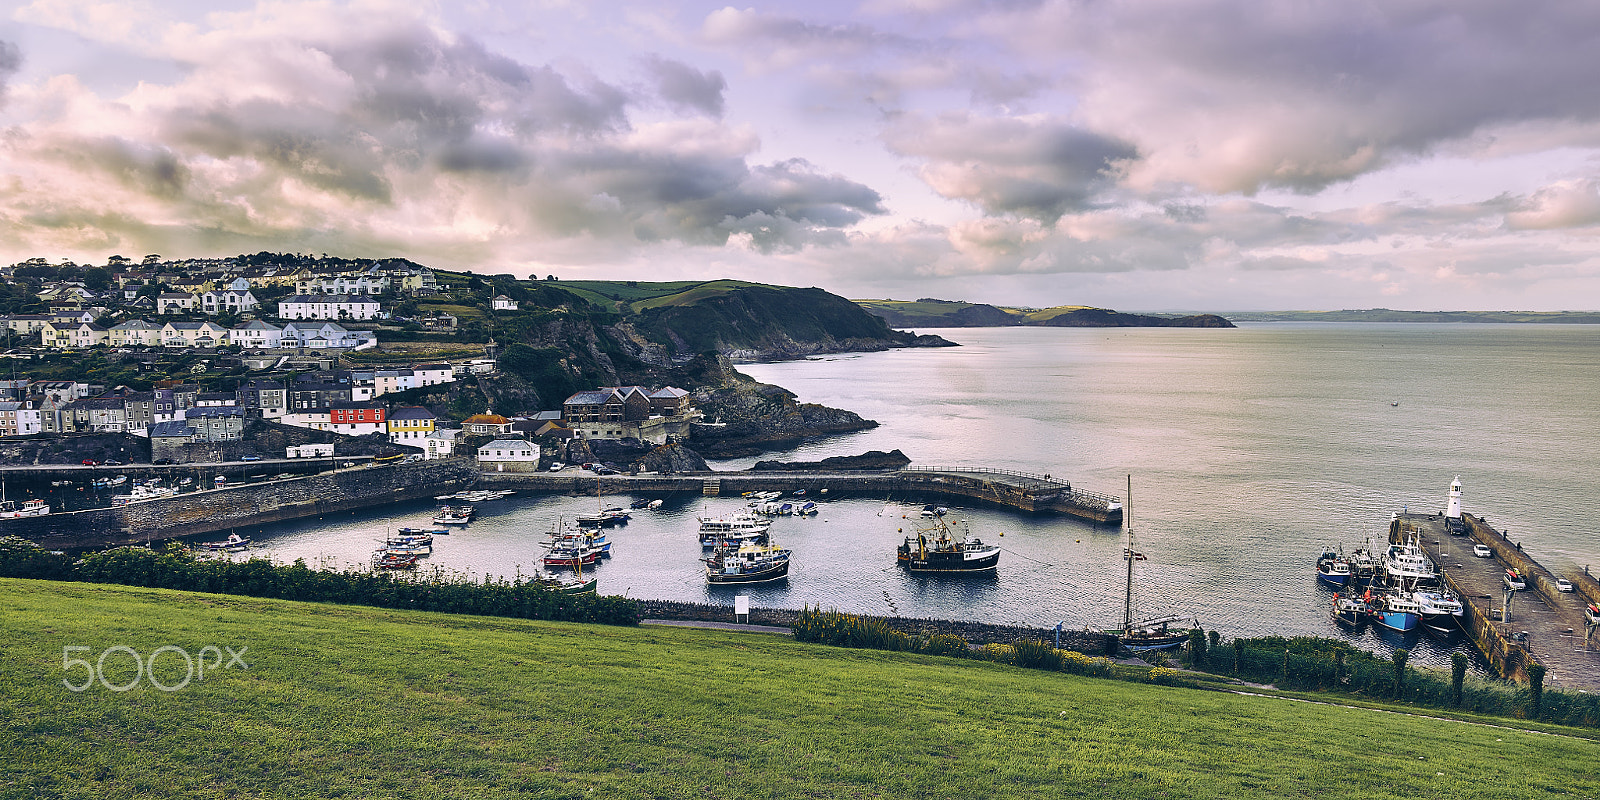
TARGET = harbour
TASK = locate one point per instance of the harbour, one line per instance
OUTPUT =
(1511, 628)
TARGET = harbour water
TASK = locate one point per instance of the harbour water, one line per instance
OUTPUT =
(1251, 450)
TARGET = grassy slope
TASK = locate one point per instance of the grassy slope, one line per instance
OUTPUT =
(649, 294)
(343, 701)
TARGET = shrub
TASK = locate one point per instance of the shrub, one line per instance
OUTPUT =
(1034, 654)
(947, 645)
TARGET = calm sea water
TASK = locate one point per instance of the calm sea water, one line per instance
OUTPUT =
(1250, 451)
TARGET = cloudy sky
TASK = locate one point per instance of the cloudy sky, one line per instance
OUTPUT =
(1134, 154)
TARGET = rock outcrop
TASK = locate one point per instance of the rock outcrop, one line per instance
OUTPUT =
(753, 418)
(870, 460)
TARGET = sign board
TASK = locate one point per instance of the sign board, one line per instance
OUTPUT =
(741, 607)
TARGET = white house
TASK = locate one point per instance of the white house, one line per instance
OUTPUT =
(228, 301)
(503, 303)
(509, 455)
(433, 374)
(175, 302)
(441, 443)
(135, 333)
(256, 335)
(323, 335)
(193, 334)
(327, 306)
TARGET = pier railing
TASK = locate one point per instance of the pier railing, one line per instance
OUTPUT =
(1048, 482)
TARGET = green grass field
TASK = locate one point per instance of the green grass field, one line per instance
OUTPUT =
(342, 701)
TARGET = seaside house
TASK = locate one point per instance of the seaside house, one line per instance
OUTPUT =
(509, 455)
(441, 443)
(411, 425)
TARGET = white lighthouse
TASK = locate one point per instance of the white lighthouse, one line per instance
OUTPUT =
(1453, 511)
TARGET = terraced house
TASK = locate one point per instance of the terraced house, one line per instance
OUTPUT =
(193, 334)
(411, 425)
(629, 412)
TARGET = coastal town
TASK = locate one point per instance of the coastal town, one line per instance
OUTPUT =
(210, 347)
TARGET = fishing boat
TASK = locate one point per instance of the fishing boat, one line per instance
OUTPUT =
(454, 515)
(751, 563)
(936, 549)
(140, 493)
(1350, 611)
(1395, 611)
(29, 508)
(737, 528)
(571, 555)
(1363, 567)
(409, 539)
(1333, 569)
(643, 502)
(577, 584)
(655, 505)
(386, 560)
(806, 509)
(1439, 608)
(1152, 634)
(422, 531)
(1406, 564)
(233, 544)
(104, 483)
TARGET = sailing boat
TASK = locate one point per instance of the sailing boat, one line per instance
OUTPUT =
(1151, 634)
(605, 517)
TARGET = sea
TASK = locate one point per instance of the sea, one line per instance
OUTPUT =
(1248, 452)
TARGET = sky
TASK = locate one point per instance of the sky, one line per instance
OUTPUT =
(1143, 155)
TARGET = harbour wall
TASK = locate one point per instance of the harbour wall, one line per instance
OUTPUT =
(994, 490)
(241, 506)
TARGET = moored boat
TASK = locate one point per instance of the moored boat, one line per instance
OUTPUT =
(1438, 608)
(751, 563)
(1351, 611)
(233, 544)
(1333, 569)
(1395, 611)
(386, 560)
(1152, 634)
(29, 508)
(936, 549)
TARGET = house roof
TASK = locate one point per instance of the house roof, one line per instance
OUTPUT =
(485, 419)
(203, 412)
(174, 429)
(668, 392)
(411, 412)
(589, 398)
(507, 443)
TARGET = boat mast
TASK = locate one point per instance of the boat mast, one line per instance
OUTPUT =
(1127, 555)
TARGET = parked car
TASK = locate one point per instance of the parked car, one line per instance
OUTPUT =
(1563, 585)
(111, 462)
(251, 457)
(604, 471)
(557, 466)
(161, 462)
(1482, 551)
(89, 462)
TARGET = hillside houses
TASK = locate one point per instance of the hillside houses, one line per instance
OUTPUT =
(629, 412)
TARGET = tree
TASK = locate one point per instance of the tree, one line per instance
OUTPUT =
(1458, 675)
(97, 279)
(1399, 657)
(1535, 688)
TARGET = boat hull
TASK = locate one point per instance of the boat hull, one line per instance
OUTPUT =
(1336, 580)
(1402, 621)
(772, 573)
(948, 562)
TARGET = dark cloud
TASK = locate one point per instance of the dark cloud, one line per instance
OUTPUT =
(1036, 167)
(685, 87)
(1238, 97)
(10, 62)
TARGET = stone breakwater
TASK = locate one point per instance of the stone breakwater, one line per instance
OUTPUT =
(977, 633)
(242, 506)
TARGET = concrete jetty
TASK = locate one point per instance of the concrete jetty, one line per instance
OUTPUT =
(1005, 488)
(1553, 621)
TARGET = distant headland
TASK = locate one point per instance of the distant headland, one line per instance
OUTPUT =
(1390, 315)
(928, 312)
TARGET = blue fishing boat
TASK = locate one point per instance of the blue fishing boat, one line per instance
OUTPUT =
(1395, 611)
(1333, 569)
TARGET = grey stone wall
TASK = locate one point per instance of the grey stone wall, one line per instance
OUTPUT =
(241, 506)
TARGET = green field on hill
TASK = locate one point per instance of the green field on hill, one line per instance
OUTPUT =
(341, 701)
